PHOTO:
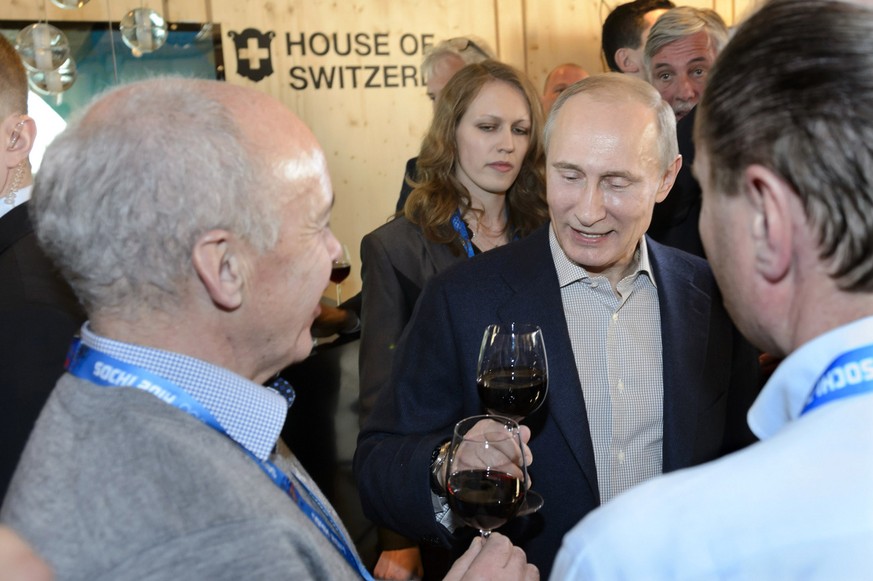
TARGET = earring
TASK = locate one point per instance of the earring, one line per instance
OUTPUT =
(9, 198)
(16, 133)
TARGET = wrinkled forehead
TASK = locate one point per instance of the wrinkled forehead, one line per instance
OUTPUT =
(307, 167)
(693, 48)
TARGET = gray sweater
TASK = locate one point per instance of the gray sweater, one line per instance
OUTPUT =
(115, 484)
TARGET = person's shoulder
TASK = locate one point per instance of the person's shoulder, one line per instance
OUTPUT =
(487, 267)
(676, 262)
(396, 227)
(653, 531)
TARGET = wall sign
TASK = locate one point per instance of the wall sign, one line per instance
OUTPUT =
(392, 60)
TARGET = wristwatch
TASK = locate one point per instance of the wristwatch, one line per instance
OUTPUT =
(437, 459)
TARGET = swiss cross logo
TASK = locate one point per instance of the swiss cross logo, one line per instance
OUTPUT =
(253, 57)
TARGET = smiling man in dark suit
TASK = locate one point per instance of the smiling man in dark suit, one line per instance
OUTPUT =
(647, 372)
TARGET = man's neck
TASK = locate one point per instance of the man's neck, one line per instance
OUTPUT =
(826, 316)
(171, 333)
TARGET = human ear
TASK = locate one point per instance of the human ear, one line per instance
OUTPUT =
(19, 132)
(624, 58)
(768, 196)
(220, 266)
(668, 179)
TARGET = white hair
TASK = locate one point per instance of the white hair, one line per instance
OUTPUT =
(126, 190)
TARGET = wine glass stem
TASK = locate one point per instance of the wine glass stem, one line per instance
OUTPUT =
(339, 294)
(485, 534)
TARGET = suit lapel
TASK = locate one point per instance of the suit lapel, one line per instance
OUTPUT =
(536, 299)
(685, 316)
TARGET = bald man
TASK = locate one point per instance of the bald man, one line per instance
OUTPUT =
(558, 79)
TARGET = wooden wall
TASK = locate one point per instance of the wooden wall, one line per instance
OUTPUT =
(372, 116)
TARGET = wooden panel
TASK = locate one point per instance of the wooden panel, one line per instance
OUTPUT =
(368, 132)
(351, 70)
(511, 47)
(563, 31)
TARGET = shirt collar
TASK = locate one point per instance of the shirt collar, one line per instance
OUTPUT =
(19, 197)
(785, 394)
(251, 414)
(570, 272)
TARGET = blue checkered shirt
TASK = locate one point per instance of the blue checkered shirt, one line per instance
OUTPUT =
(251, 414)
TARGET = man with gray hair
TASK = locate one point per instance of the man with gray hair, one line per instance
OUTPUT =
(647, 373)
(680, 51)
(785, 141)
(191, 219)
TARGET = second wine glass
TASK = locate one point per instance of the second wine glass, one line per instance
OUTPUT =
(486, 476)
(342, 267)
(513, 371)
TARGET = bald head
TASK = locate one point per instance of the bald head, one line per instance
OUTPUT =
(560, 77)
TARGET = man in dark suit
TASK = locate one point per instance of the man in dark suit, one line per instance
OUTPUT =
(680, 50)
(646, 371)
(38, 312)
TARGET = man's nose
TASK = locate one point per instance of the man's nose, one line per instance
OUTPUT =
(590, 208)
(687, 89)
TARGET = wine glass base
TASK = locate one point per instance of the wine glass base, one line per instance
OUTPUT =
(533, 501)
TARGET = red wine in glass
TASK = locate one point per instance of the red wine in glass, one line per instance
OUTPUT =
(512, 374)
(340, 271)
(486, 472)
(485, 499)
(515, 393)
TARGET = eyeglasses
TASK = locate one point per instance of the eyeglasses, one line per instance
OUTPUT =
(461, 44)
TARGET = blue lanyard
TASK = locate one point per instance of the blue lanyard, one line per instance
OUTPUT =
(850, 374)
(106, 371)
(461, 229)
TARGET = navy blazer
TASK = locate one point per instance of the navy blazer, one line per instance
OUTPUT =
(710, 374)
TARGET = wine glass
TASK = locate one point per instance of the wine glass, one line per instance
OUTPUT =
(342, 267)
(513, 372)
(486, 472)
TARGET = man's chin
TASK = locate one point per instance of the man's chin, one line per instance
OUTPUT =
(682, 113)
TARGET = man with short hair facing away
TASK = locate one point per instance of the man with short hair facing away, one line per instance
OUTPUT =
(785, 142)
(624, 34)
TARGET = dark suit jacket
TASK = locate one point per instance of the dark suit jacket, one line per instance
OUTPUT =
(38, 317)
(674, 221)
(405, 188)
(710, 379)
(396, 261)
